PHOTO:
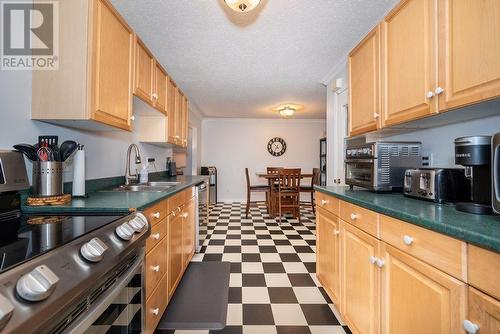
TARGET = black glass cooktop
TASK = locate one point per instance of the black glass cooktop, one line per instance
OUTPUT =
(24, 237)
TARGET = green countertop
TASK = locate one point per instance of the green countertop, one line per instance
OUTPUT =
(483, 231)
(117, 202)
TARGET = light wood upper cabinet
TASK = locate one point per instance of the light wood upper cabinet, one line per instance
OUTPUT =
(417, 298)
(328, 253)
(185, 121)
(469, 51)
(409, 61)
(364, 79)
(360, 280)
(93, 87)
(144, 85)
(171, 109)
(483, 312)
(160, 96)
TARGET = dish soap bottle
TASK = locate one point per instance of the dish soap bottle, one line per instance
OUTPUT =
(144, 174)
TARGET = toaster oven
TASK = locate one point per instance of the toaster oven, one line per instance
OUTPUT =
(380, 166)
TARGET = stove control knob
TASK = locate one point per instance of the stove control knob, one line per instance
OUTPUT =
(6, 310)
(93, 250)
(37, 285)
(137, 224)
(124, 231)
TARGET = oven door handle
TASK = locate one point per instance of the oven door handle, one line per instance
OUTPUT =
(81, 325)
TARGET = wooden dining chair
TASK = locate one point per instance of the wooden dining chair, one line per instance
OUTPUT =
(310, 188)
(273, 186)
(289, 192)
(255, 188)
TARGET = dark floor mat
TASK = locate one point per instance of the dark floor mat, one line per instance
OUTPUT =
(200, 301)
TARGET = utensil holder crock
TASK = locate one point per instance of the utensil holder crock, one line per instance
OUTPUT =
(47, 178)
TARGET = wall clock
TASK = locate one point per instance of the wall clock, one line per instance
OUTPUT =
(276, 146)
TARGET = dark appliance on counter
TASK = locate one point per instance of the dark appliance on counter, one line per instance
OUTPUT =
(439, 185)
(171, 168)
(67, 273)
(495, 172)
(474, 153)
(212, 183)
(380, 166)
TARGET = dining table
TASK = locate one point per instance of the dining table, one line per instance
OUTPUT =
(273, 212)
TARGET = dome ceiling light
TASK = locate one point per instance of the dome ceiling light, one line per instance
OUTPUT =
(287, 112)
(242, 6)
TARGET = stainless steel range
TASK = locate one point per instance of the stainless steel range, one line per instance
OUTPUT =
(68, 274)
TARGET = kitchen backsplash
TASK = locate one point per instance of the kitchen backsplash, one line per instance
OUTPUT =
(105, 151)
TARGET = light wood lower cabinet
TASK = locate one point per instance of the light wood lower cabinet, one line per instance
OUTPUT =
(155, 306)
(188, 230)
(328, 256)
(360, 280)
(418, 298)
(483, 313)
(174, 252)
(169, 249)
(400, 285)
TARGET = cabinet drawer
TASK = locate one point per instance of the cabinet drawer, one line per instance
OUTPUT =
(155, 266)
(484, 270)
(176, 201)
(363, 219)
(156, 212)
(156, 305)
(158, 232)
(443, 252)
(326, 202)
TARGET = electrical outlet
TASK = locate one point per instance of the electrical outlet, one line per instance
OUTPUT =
(427, 159)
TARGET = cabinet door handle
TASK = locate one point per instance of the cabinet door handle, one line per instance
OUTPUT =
(156, 215)
(376, 115)
(156, 268)
(439, 90)
(470, 327)
(407, 240)
(373, 259)
(155, 96)
(324, 201)
(156, 236)
(156, 311)
(354, 216)
(184, 215)
(336, 232)
(380, 263)
(132, 118)
(429, 94)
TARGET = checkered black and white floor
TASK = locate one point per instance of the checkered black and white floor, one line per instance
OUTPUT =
(273, 285)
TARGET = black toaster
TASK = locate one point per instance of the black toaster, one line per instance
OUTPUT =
(439, 185)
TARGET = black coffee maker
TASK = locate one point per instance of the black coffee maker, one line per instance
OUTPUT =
(474, 153)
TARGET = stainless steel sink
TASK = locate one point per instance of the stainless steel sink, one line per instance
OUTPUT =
(153, 187)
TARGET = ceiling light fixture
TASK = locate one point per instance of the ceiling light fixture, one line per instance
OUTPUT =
(242, 6)
(287, 112)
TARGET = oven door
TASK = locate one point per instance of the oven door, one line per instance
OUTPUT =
(120, 308)
(360, 172)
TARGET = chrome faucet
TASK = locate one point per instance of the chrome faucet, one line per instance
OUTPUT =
(128, 176)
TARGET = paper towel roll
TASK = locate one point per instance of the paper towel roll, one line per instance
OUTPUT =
(79, 173)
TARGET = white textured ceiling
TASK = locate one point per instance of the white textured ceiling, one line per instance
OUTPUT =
(243, 65)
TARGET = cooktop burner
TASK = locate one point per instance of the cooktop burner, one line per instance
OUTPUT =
(24, 237)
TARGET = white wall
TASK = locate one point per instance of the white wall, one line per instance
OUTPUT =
(106, 151)
(440, 140)
(233, 144)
